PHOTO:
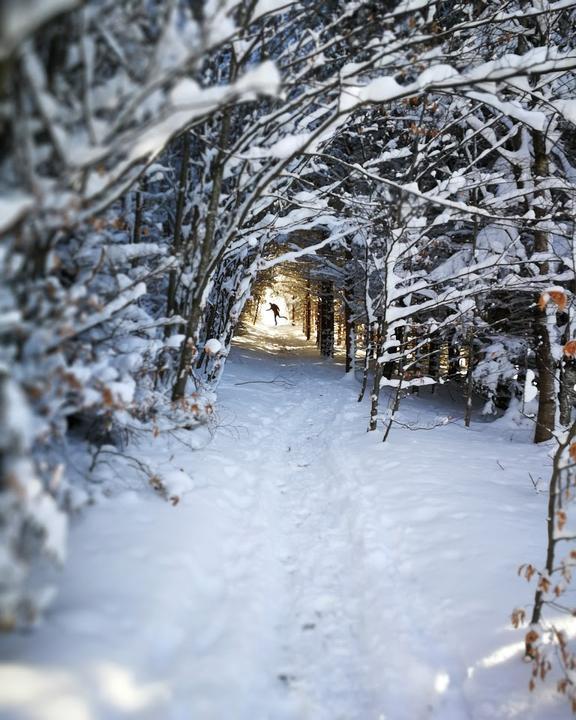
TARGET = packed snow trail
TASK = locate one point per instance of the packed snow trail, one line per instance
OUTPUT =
(309, 573)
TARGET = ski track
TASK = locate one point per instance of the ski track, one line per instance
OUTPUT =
(295, 585)
(333, 665)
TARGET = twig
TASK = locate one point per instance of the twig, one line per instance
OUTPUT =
(535, 483)
(415, 427)
(267, 382)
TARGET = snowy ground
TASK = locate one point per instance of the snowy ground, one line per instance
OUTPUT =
(310, 572)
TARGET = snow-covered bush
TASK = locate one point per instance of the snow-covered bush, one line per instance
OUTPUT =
(499, 373)
(31, 525)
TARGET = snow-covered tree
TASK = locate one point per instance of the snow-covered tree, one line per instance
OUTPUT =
(157, 157)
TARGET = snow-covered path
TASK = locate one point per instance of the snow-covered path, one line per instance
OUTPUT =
(311, 573)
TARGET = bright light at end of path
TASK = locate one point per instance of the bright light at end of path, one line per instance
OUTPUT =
(266, 316)
(441, 682)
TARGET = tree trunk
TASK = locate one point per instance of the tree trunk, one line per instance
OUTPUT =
(375, 397)
(196, 310)
(177, 237)
(369, 334)
(308, 311)
(350, 343)
(453, 358)
(257, 302)
(545, 363)
(434, 349)
(469, 379)
(567, 392)
(546, 381)
(349, 325)
(394, 409)
(554, 497)
(395, 405)
(327, 318)
(138, 216)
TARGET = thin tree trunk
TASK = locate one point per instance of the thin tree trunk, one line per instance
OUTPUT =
(327, 318)
(398, 394)
(350, 343)
(349, 325)
(369, 354)
(138, 214)
(435, 348)
(453, 358)
(554, 494)
(177, 237)
(378, 369)
(545, 419)
(189, 346)
(375, 397)
(545, 363)
(395, 408)
(258, 303)
(469, 380)
(470, 338)
(567, 393)
(308, 313)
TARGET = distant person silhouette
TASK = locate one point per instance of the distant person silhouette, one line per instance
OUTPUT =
(276, 310)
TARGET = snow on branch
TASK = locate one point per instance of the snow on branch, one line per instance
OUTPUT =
(20, 18)
(442, 77)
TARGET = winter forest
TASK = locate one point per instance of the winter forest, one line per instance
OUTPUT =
(287, 359)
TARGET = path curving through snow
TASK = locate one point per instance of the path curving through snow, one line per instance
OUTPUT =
(310, 572)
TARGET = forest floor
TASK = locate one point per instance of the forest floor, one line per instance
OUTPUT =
(308, 572)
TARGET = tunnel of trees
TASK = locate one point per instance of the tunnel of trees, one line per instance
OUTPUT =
(409, 167)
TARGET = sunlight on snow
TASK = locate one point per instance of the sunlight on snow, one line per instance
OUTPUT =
(54, 693)
(441, 682)
(120, 689)
(264, 339)
(499, 656)
(61, 694)
(507, 652)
